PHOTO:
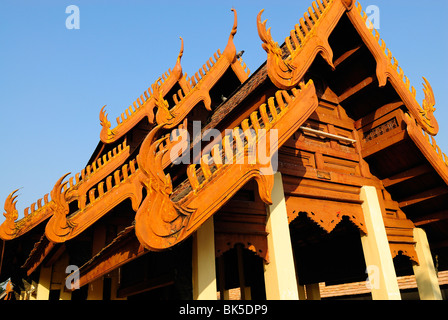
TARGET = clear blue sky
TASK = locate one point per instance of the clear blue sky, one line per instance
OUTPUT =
(54, 81)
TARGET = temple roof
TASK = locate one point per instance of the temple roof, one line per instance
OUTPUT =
(166, 214)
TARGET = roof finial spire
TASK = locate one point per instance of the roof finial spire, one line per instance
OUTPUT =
(181, 52)
(235, 23)
(230, 50)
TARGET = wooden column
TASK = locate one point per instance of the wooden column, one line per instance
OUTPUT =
(115, 275)
(377, 254)
(312, 291)
(43, 287)
(425, 273)
(204, 272)
(279, 273)
(95, 290)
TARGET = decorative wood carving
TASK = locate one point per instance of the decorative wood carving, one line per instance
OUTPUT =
(10, 228)
(193, 90)
(326, 214)
(123, 184)
(162, 222)
(7, 228)
(127, 182)
(309, 38)
(76, 189)
(144, 105)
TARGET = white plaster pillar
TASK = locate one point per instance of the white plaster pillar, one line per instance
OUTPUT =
(279, 273)
(204, 272)
(43, 287)
(377, 254)
(425, 273)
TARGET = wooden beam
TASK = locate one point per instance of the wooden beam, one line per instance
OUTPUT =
(425, 195)
(120, 251)
(346, 55)
(431, 218)
(388, 139)
(147, 285)
(353, 90)
(407, 175)
(439, 244)
(377, 114)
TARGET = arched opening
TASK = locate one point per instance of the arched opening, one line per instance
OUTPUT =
(239, 274)
(322, 257)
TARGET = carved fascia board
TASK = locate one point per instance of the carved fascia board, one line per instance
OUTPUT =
(103, 194)
(309, 38)
(161, 222)
(123, 184)
(11, 228)
(95, 172)
(428, 146)
(193, 90)
(388, 69)
(144, 105)
(202, 82)
(75, 189)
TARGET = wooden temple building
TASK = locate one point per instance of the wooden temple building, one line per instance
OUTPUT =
(351, 183)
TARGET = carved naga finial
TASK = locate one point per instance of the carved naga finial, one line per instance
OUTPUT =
(164, 113)
(286, 67)
(181, 53)
(269, 45)
(158, 219)
(235, 24)
(8, 226)
(150, 161)
(230, 49)
(178, 67)
(60, 208)
(428, 108)
(106, 133)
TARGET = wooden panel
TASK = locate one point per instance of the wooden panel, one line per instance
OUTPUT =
(341, 165)
(295, 157)
(328, 109)
(320, 189)
(407, 175)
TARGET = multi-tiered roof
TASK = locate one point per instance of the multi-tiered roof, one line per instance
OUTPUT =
(375, 124)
